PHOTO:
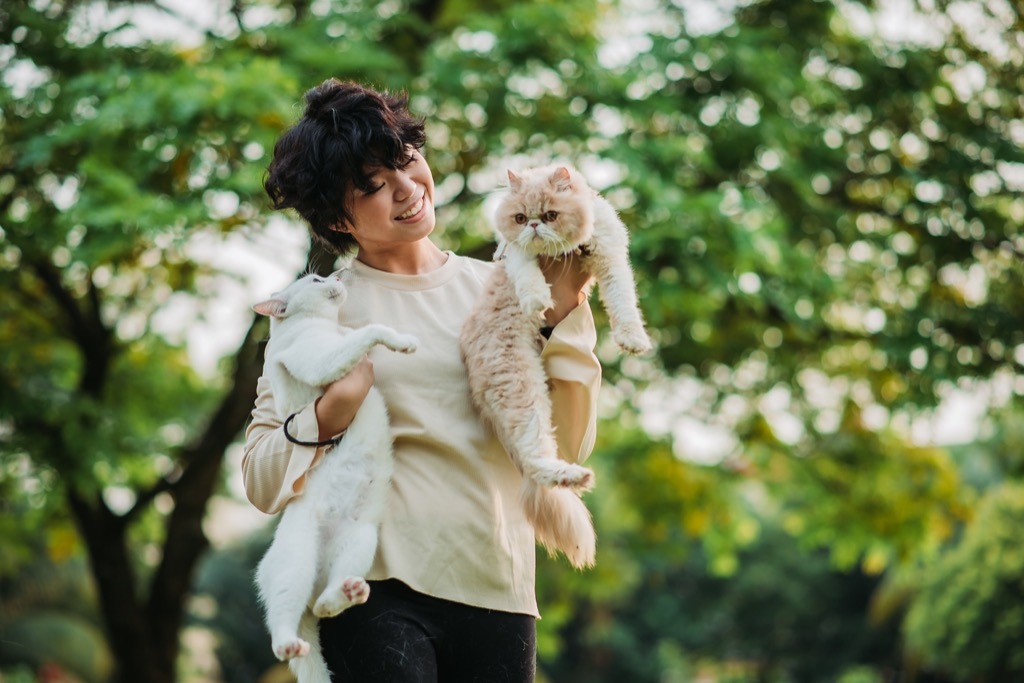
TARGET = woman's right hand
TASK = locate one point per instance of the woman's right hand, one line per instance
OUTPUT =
(337, 407)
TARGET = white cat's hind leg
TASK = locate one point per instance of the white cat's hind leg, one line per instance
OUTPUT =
(351, 556)
(285, 578)
(311, 668)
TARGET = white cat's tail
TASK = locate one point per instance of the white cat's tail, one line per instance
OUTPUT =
(561, 522)
(311, 668)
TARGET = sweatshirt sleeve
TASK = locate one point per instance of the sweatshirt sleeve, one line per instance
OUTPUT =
(273, 468)
(574, 374)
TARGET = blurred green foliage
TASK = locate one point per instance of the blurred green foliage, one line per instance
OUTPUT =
(826, 231)
(970, 611)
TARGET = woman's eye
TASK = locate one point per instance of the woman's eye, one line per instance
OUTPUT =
(520, 218)
(549, 216)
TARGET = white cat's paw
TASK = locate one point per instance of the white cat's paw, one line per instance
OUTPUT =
(356, 590)
(290, 648)
(334, 600)
(632, 339)
(404, 343)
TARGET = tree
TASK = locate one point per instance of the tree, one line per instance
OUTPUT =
(825, 229)
(968, 616)
(112, 156)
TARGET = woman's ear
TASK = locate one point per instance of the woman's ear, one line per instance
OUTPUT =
(340, 227)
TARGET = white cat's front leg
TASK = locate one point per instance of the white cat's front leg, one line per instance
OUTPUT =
(331, 364)
(532, 289)
(363, 339)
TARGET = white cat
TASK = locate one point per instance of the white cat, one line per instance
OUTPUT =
(327, 537)
(548, 211)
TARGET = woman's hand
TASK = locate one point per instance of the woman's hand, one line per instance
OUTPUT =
(336, 409)
(567, 279)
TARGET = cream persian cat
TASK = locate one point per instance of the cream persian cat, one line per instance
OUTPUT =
(548, 211)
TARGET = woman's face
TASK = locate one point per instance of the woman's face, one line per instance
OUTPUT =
(400, 210)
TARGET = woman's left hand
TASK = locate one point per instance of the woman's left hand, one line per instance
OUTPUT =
(568, 281)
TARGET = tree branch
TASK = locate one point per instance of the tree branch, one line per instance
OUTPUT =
(202, 462)
(87, 330)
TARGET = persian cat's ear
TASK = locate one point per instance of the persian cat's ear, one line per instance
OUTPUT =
(561, 179)
(514, 181)
(273, 308)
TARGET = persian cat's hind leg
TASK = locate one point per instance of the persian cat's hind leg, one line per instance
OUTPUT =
(537, 453)
(553, 472)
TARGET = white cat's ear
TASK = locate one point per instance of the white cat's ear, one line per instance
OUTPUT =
(274, 308)
(514, 181)
(561, 178)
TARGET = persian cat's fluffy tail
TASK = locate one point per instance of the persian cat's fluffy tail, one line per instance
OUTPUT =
(560, 521)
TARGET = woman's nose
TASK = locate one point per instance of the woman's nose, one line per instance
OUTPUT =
(404, 185)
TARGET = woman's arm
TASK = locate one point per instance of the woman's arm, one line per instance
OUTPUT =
(568, 283)
(273, 468)
(573, 371)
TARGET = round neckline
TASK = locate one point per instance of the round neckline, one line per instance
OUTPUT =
(433, 278)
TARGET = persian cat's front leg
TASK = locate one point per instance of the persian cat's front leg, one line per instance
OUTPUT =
(608, 260)
(531, 287)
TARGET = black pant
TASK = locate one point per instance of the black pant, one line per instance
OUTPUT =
(402, 636)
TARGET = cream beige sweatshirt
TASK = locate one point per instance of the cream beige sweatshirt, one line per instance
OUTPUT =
(454, 528)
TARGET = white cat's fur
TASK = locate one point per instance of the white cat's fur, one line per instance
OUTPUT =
(548, 211)
(327, 537)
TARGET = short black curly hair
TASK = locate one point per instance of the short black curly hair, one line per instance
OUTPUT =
(346, 132)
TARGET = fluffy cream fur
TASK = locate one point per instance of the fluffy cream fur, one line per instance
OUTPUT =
(548, 211)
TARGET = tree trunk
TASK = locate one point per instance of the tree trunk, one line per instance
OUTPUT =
(123, 616)
(145, 638)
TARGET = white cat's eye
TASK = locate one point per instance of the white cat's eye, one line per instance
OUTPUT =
(318, 279)
(549, 216)
(520, 218)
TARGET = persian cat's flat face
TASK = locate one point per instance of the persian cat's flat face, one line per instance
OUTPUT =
(547, 211)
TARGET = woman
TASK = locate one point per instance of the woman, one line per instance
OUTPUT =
(452, 587)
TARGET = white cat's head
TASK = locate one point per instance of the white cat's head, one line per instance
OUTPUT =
(548, 210)
(311, 296)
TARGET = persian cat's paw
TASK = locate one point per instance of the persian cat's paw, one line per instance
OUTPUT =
(632, 339)
(564, 474)
(291, 648)
(336, 599)
(403, 343)
(536, 299)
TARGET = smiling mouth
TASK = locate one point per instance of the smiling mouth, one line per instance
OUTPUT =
(412, 210)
